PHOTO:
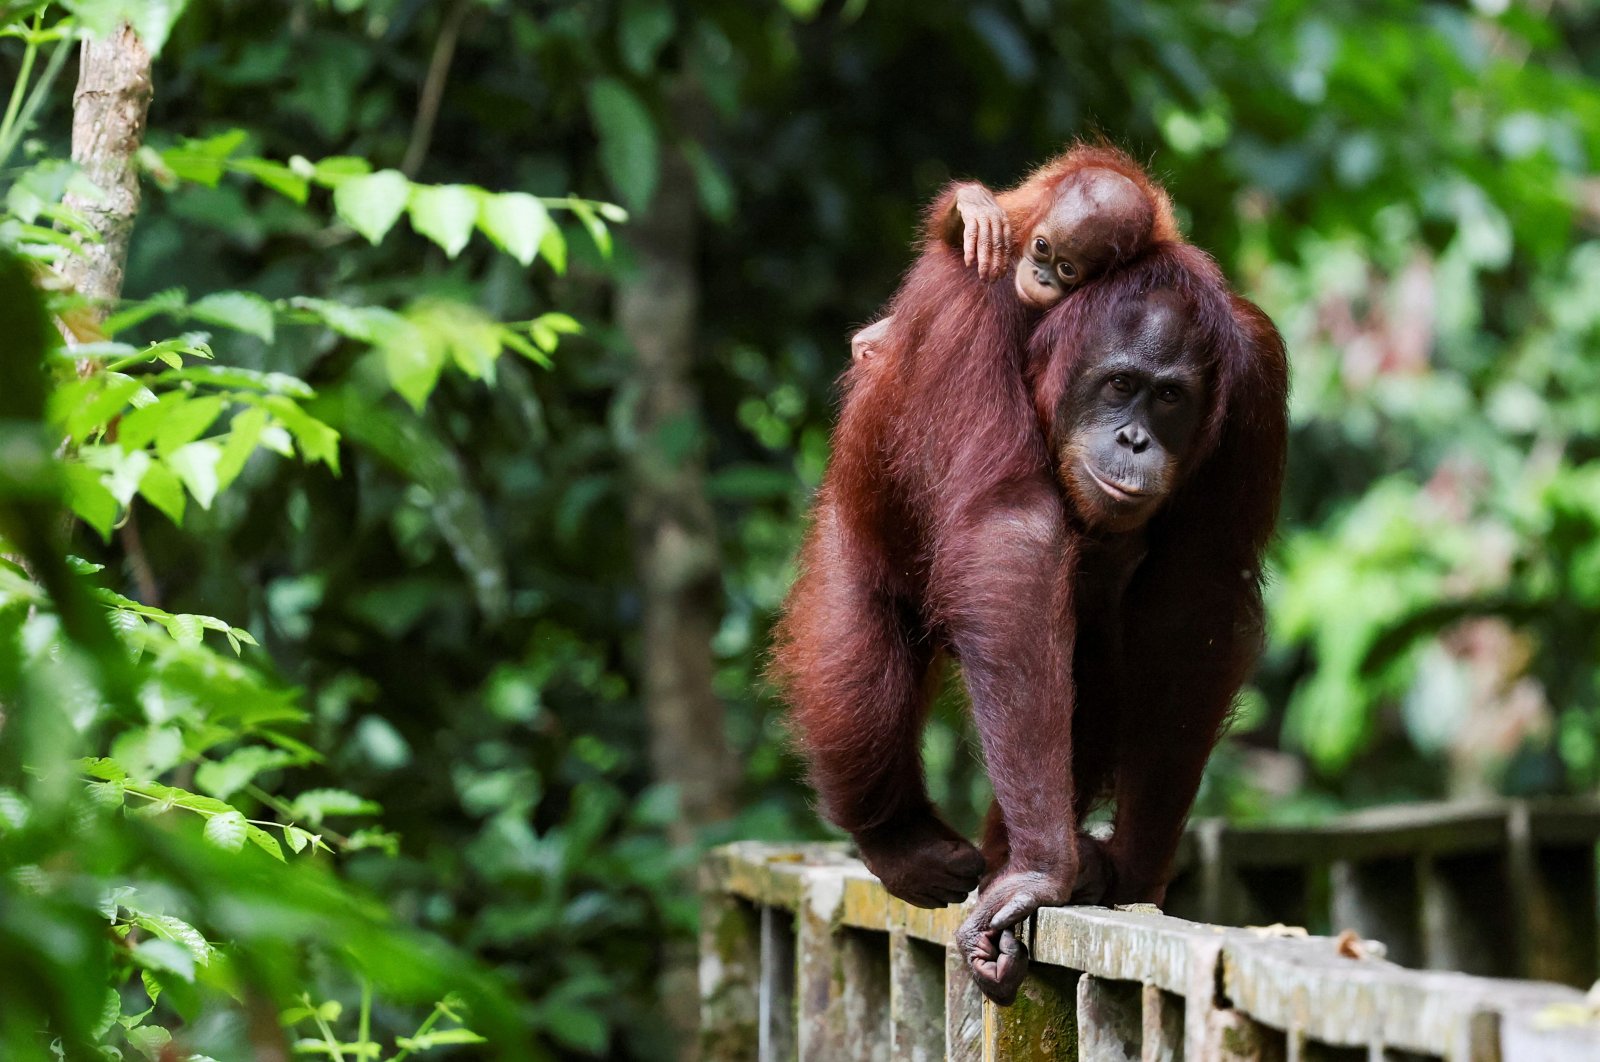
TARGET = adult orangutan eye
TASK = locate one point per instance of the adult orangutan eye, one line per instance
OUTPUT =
(1170, 395)
(1120, 383)
(1067, 271)
(1040, 248)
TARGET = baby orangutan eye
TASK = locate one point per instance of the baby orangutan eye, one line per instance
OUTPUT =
(1067, 271)
(1040, 248)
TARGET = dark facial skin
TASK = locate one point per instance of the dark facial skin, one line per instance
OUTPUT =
(1098, 217)
(1128, 421)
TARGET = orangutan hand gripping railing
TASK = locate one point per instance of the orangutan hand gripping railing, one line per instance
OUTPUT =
(803, 954)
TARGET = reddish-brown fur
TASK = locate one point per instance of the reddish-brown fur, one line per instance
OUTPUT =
(1095, 663)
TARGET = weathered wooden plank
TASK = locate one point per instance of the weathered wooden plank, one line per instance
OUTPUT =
(1110, 1020)
(1125, 945)
(1231, 1036)
(916, 1000)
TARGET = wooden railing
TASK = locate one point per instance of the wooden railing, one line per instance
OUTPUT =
(804, 956)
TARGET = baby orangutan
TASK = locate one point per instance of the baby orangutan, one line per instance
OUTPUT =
(1081, 214)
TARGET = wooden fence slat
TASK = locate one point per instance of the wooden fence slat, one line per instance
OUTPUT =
(916, 1000)
(1110, 1020)
(1161, 1025)
(963, 1011)
(730, 962)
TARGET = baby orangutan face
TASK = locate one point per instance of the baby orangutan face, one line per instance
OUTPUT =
(1097, 219)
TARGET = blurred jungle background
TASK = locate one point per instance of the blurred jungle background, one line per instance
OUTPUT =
(429, 518)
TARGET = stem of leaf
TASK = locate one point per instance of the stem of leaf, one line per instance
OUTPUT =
(19, 88)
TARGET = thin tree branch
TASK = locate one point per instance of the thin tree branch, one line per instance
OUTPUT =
(444, 53)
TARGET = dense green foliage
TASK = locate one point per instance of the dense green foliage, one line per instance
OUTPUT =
(374, 411)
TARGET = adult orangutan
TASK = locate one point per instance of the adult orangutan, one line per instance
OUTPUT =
(1075, 510)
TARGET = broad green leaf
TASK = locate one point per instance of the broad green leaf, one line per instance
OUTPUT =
(84, 407)
(240, 310)
(165, 957)
(316, 804)
(444, 214)
(152, 19)
(186, 629)
(333, 170)
(317, 440)
(266, 842)
(642, 28)
(179, 932)
(629, 153)
(148, 752)
(372, 203)
(413, 364)
(151, 1040)
(553, 249)
(240, 442)
(162, 488)
(184, 422)
(516, 222)
(226, 777)
(227, 830)
(470, 336)
(89, 498)
(196, 466)
(297, 838)
(202, 161)
(274, 175)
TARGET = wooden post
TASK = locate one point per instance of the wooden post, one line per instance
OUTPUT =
(1554, 902)
(1468, 914)
(843, 978)
(776, 998)
(1161, 1026)
(730, 973)
(963, 1011)
(1041, 1026)
(1110, 1020)
(1379, 900)
(916, 1000)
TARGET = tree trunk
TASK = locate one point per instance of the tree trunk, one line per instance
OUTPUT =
(108, 121)
(674, 536)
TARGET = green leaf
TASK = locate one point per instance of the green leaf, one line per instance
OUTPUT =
(334, 170)
(227, 830)
(239, 310)
(598, 232)
(516, 222)
(298, 839)
(223, 778)
(201, 161)
(316, 804)
(151, 1040)
(440, 1038)
(371, 204)
(629, 153)
(148, 752)
(553, 249)
(180, 933)
(274, 175)
(152, 19)
(643, 27)
(196, 466)
(316, 440)
(444, 214)
(185, 421)
(413, 364)
(90, 499)
(266, 842)
(164, 956)
(162, 488)
(240, 442)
